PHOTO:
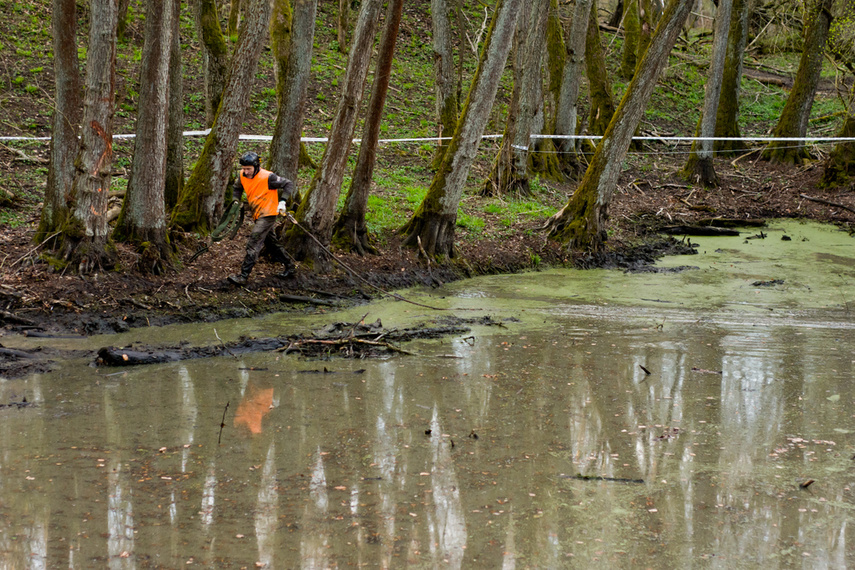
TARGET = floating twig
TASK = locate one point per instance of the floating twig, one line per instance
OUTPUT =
(223, 423)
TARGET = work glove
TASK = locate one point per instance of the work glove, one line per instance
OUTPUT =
(283, 207)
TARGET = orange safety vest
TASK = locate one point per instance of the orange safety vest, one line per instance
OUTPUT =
(264, 201)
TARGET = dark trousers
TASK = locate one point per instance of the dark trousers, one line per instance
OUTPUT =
(262, 236)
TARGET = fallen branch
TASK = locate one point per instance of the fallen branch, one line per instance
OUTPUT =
(826, 202)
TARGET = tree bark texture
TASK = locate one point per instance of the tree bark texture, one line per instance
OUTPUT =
(215, 56)
(85, 236)
(434, 220)
(509, 174)
(122, 19)
(726, 121)
(568, 103)
(234, 17)
(281, 21)
(602, 100)
(142, 220)
(294, 81)
(840, 165)
(542, 158)
(343, 22)
(631, 33)
(66, 120)
(317, 210)
(175, 129)
(646, 24)
(445, 74)
(796, 112)
(350, 230)
(581, 223)
(699, 167)
(202, 197)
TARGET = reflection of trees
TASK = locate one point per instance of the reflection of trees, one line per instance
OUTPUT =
(447, 524)
(315, 537)
(266, 509)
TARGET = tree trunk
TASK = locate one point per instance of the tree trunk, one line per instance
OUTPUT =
(726, 120)
(434, 220)
(84, 240)
(699, 168)
(122, 19)
(602, 100)
(618, 15)
(350, 230)
(646, 24)
(581, 223)
(293, 80)
(66, 120)
(509, 175)
(566, 118)
(234, 18)
(444, 71)
(203, 193)
(840, 166)
(631, 33)
(796, 112)
(215, 56)
(175, 129)
(342, 23)
(542, 159)
(142, 220)
(317, 210)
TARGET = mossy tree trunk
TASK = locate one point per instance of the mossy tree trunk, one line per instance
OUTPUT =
(840, 165)
(568, 104)
(631, 33)
(122, 19)
(726, 120)
(646, 24)
(447, 107)
(85, 235)
(581, 224)
(342, 22)
(292, 36)
(202, 195)
(699, 168)
(317, 210)
(234, 17)
(175, 129)
(509, 174)
(602, 100)
(350, 230)
(215, 56)
(142, 221)
(796, 113)
(543, 156)
(66, 119)
(434, 220)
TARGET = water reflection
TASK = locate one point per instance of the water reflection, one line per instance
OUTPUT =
(466, 456)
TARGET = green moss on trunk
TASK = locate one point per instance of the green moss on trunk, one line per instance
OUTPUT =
(602, 100)
(840, 166)
(631, 29)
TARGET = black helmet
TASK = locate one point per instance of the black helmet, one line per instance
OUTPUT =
(251, 159)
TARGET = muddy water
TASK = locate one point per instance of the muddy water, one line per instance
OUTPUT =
(470, 453)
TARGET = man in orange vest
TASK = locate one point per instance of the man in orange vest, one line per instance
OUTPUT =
(266, 194)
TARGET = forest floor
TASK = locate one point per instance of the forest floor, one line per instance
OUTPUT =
(494, 235)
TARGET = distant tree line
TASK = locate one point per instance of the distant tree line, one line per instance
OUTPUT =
(549, 47)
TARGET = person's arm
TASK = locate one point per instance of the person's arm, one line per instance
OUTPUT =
(237, 190)
(284, 187)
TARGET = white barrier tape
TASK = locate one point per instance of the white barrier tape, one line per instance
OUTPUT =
(519, 147)
(268, 138)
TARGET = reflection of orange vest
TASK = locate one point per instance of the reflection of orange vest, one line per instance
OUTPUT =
(263, 200)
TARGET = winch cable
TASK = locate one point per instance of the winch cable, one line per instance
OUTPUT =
(355, 274)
